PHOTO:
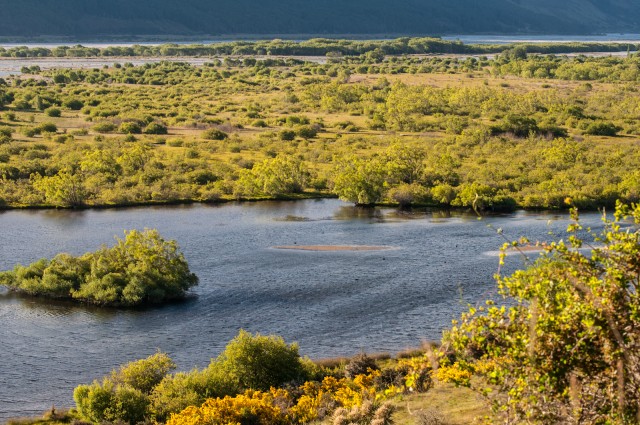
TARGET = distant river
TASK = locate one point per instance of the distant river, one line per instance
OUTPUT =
(506, 39)
(9, 66)
(331, 303)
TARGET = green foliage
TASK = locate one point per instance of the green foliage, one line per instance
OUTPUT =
(276, 176)
(365, 51)
(287, 135)
(564, 346)
(359, 180)
(65, 189)
(52, 112)
(155, 128)
(46, 127)
(73, 104)
(141, 269)
(307, 132)
(602, 129)
(409, 194)
(214, 134)
(519, 126)
(260, 362)
(6, 131)
(124, 396)
(3, 98)
(130, 127)
(144, 375)
(512, 145)
(104, 127)
(178, 391)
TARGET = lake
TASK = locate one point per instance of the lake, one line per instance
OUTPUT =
(331, 303)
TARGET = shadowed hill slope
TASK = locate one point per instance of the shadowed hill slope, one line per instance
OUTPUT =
(95, 18)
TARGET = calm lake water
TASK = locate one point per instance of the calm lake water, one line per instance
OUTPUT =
(331, 303)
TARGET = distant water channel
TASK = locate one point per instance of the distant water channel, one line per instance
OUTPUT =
(12, 66)
(331, 303)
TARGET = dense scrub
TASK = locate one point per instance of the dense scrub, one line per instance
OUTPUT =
(140, 269)
(257, 379)
(312, 47)
(373, 129)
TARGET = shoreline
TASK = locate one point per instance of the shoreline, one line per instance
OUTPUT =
(293, 198)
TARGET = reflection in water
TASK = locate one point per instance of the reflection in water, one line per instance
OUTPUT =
(353, 212)
(332, 303)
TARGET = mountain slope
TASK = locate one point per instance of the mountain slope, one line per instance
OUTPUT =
(94, 18)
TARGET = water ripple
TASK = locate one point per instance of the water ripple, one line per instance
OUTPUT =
(331, 303)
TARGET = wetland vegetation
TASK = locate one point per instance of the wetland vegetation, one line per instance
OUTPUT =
(519, 130)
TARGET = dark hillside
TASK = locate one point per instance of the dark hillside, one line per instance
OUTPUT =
(95, 18)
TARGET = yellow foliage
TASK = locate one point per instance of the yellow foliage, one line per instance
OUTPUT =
(454, 374)
(318, 399)
(255, 405)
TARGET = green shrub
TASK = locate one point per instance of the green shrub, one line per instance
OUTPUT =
(73, 104)
(307, 132)
(202, 177)
(6, 131)
(176, 143)
(260, 362)
(178, 391)
(53, 112)
(47, 127)
(155, 128)
(287, 135)
(602, 129)
(517, 125)
(104, 127)
(130, 127)
(214, 134)
(124, 396)
(566, 298)
(29, 131)
(144, 374)
(408, 194)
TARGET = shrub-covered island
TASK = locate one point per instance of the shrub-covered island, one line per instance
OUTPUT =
(140, 269)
